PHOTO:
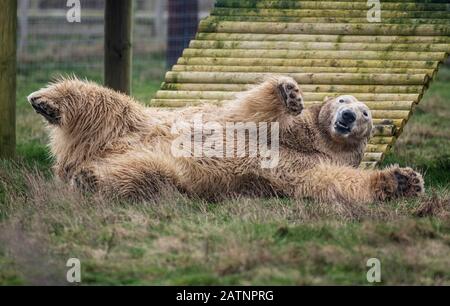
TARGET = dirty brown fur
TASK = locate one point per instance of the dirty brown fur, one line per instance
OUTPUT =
(106, 142)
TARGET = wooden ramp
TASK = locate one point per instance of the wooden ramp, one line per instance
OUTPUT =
(329, 47)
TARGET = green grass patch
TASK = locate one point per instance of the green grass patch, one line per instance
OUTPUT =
(181, 241)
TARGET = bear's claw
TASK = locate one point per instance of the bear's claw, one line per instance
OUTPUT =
(291, 96)
(399, 183)
(409, 183)
(84, 180)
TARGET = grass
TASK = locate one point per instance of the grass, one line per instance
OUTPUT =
(244, 241)
(425, 143)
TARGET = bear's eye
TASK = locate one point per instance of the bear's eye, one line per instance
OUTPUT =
(365, 114)
(341, 101)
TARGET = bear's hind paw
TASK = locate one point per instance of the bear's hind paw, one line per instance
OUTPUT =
(409, 183)
(399, 183)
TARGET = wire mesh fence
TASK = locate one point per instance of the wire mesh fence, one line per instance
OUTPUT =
(48, 44)
(182, 25)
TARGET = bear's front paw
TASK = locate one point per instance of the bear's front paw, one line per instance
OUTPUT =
(400, 182)
(45, 108)
(291, 95)
(84, 180)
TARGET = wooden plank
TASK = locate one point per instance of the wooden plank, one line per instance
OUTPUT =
(307, 62)
(261, 45)
(368, 165)
(296, 69)
(302, 78)
(372, 157)
(301, 12)
(308, 96)
(398, 123)
(377, 148)
(338, 5)
(210, 25)
(382, 140)
(316, 88)
(316, 54)
(384, 130)
(389, 39)
(327, 20)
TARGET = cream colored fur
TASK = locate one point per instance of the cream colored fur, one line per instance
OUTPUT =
(107, 142)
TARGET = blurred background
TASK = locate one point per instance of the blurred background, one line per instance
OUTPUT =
(49, 45)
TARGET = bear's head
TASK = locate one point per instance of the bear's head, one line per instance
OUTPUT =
(346, 120)
(64, 104)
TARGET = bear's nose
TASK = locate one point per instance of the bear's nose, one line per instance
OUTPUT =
(348, 116)
(33, 98)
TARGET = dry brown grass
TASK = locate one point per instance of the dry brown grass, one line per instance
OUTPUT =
(416, 135)
(237, 241)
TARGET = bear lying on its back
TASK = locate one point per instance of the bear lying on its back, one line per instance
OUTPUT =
(104, 141)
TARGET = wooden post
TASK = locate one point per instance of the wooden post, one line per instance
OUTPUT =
(183, 24)
(118, 44)
(8, 39)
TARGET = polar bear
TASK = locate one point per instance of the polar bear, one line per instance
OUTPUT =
(106, 142)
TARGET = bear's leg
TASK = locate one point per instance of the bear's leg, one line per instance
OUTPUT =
(135, 177)
(330, 183)
(270, 101)
(363, 186)
(138, 177)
